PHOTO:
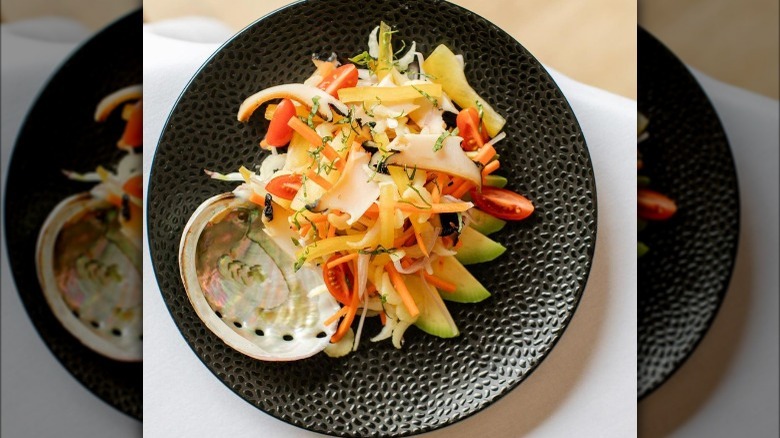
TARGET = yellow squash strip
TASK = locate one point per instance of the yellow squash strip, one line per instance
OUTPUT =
(385, 61)
(389, 94)
(386, 215)
(451, 207)
(327, 246)
(400, 287)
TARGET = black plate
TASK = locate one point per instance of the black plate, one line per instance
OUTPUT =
(536, 284)
(682, 280)
(60, 133)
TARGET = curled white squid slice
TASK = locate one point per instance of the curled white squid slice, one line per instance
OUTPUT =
(304, 94)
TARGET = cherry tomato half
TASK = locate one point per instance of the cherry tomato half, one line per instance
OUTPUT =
(345, 76)
(279, 133)
(468, 128)
(336, 281)
(284, 186)
(133, 134)
(502, 203)
(654, 206)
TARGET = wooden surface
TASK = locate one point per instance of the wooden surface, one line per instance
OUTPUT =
(591, 41)
(735, 41)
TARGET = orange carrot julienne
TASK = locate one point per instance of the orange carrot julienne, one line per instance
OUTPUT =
(331, 230)
(319, 180)
(256, 199)
(341, 260)
(399, 241)
(490, 167)
(435, 194)
(485, 154)
(462, 189)
(336, 316)
(350, 316)
(305, 131)
(400, 287)
(333, 156)
(420, 242)
(440, 283)
(383, 318)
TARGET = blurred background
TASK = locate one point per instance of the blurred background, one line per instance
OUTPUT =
(736, 42)
(40, 396)
(584, 40)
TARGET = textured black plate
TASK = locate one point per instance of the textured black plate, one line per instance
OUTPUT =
(536, 284)
(682, 280)
(60, 132)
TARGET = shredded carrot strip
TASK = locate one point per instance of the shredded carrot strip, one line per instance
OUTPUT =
(439, 283)
(319, 180)
(341, 260)
(452, 185)
(485, 154)
(304, 230)
(321, 233)
(403, 237)
(490, 168)
(333, 156)
(462, 189)
(350, 316)
(450, 207)
(435, 194)
(400, 287)
(331, 230)
(383, 318)
(253, 198)
(305, 131)
(373, 211)
(368, 222)
(418, 237)
(336, 315)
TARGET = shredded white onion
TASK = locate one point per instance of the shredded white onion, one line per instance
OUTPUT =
(398, 333)
(373, 43)
(497, 138)
(415, 267)
(404, 61)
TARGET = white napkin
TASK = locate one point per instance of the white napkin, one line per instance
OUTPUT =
(587, 385)
(729, 386)
(39, 397)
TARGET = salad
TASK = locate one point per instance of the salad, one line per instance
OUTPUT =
(651, 205)
(89, 248)
(381, 179)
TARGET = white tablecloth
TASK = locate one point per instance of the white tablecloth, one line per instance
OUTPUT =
(586, 387)
(40, 399)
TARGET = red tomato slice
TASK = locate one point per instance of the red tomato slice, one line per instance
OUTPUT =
(336, 281)
(468, 128)
(345, 76)
(285, 186)
(502, 203)
(134, 186)
(279, 133)
(133, 134)
(654, 206)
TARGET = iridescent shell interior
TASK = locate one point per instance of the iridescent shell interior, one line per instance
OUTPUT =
(245, 288)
